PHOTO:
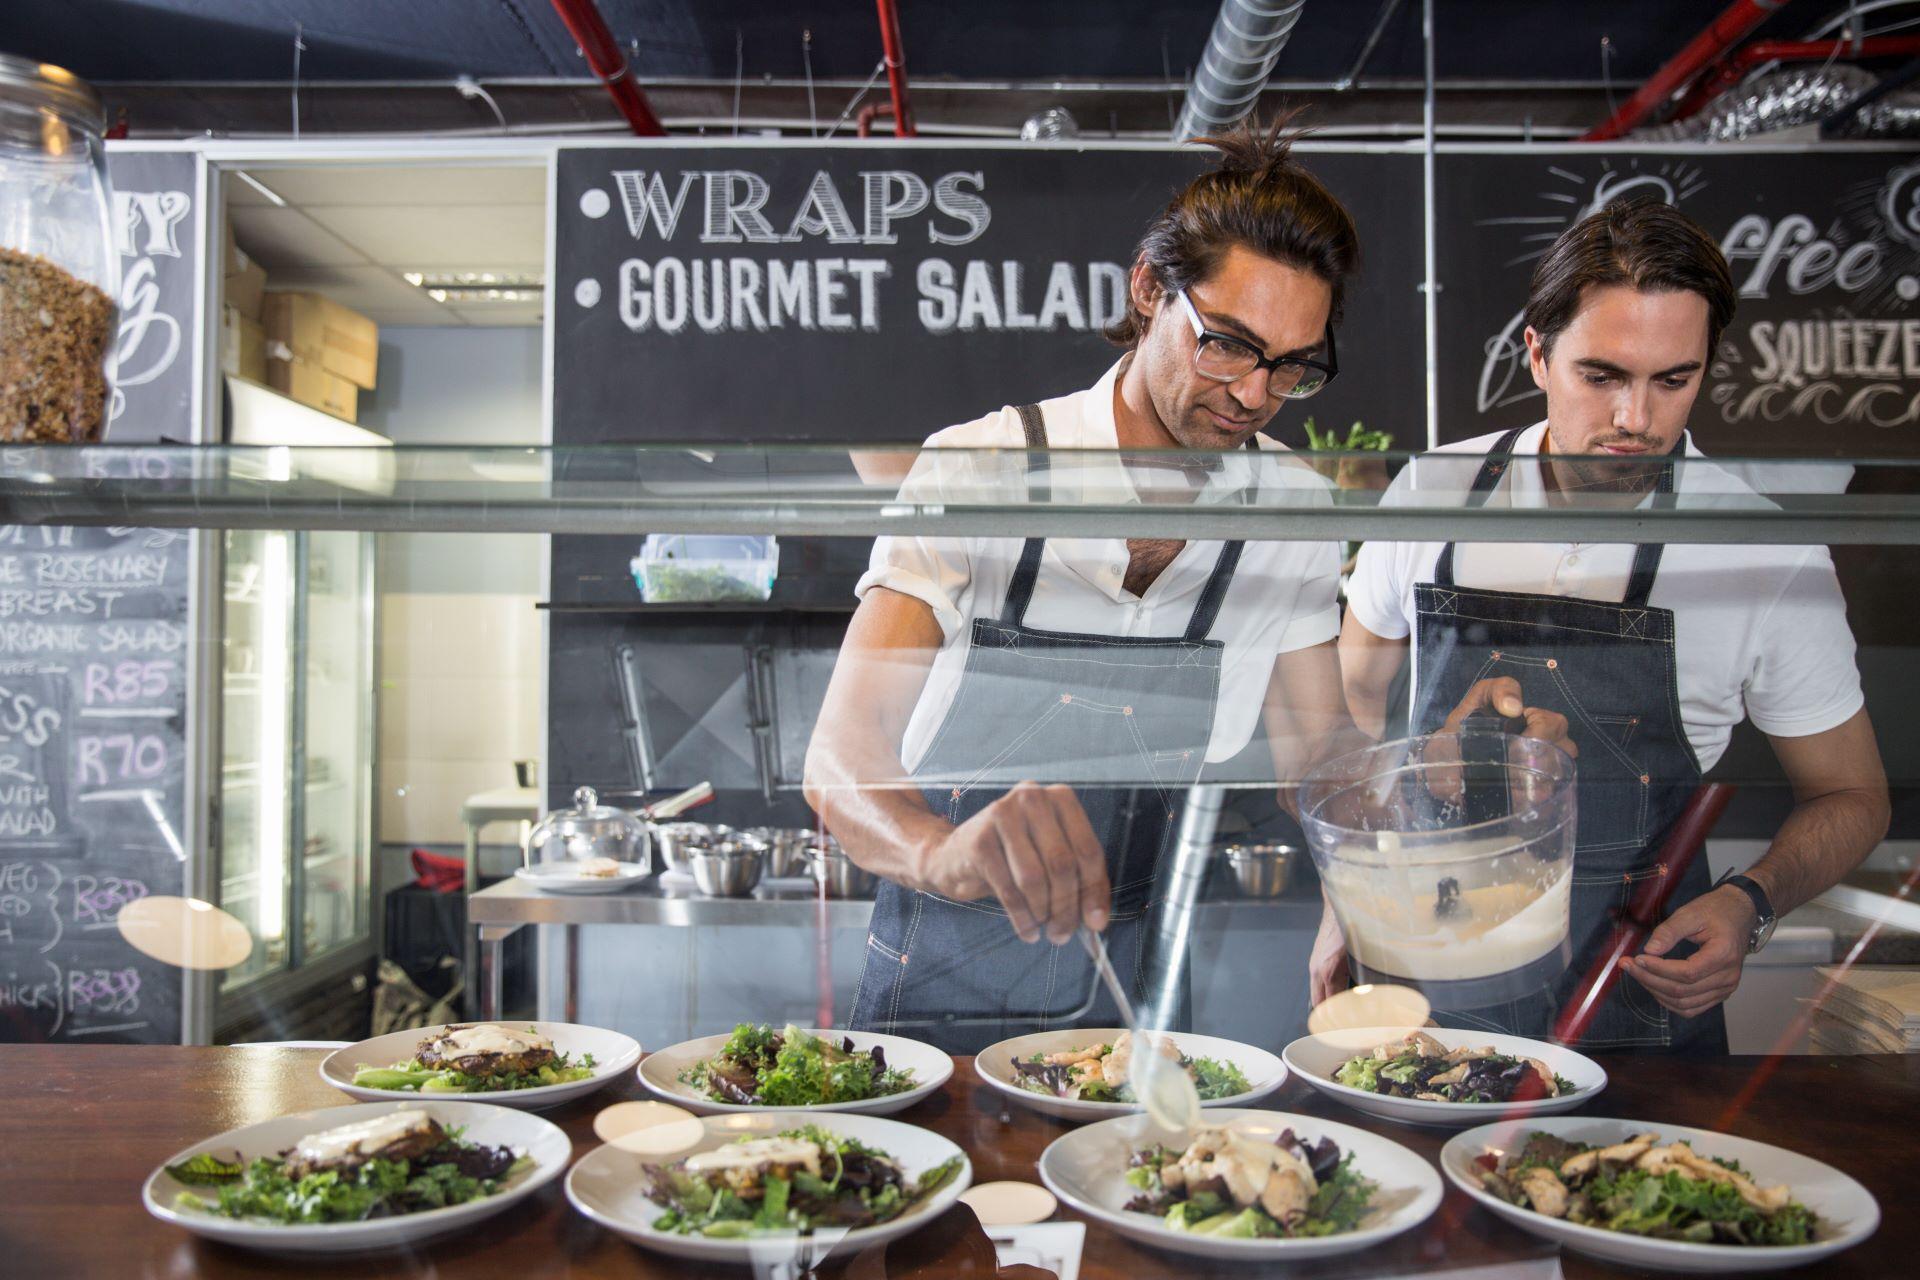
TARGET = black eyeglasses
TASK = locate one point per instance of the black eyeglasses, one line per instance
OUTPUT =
(1225, 358)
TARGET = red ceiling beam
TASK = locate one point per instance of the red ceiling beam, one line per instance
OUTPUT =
(603, 54)
(1735, 23)
(1733, 69)
(896, 68)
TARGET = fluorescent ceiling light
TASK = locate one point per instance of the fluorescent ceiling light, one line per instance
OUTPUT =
(462, 287)
(261, 187)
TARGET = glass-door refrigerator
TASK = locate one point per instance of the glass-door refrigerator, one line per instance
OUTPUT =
(295, 813)
(297, 748)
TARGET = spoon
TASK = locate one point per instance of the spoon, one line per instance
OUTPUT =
(1162, 1086)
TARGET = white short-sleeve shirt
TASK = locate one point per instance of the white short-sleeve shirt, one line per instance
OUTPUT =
(1282, 597)
(1760, 632)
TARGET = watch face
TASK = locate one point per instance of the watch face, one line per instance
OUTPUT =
(1762, 932)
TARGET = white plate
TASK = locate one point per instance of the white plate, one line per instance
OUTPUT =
(1087, 1169)
(607, 1185)
(932, 1068)
(1847, 1210)
(613, 1056)
(631, 873)
(1263, 1070)
(1315, 1059)
(488, 1126)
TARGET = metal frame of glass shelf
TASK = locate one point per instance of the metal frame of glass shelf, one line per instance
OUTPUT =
(818, 491)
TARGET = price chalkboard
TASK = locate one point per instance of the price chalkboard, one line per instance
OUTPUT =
(94, 653)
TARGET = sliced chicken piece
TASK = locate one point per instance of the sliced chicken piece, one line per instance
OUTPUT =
(1661, 1159)
(1425, 1096)
(1114, 1067)
(1544, 1191)
(1767, 1200)
(1069, 1057)
(1205, 1143)
(1470, 1055)
(1172, 1176)
(1453, 1076)
(1286, 1195)
(1630, 1150)
(1427, 1045)
(1579, 1166)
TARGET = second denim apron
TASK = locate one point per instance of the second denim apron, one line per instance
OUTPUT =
(1609, 669)
(1127, 720)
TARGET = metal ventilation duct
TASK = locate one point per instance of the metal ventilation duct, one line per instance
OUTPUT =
(1789, 97)
(1247, 38)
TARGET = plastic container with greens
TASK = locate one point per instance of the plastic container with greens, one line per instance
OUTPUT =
(681, 568)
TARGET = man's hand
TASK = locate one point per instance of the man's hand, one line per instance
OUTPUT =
(1035, 851)
(1721, 922)
(1327, 967)
(1502, 694)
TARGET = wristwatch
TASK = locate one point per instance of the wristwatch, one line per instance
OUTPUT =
(1764, 919)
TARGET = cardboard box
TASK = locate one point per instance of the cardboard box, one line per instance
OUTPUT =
(246, 281)
(325, 334)
(243, 346)
(310, 384)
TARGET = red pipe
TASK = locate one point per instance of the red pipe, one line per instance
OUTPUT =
(863, 123)
(603, 54)
(1734, 24)
(896, 68)
(1645, 908)
(1733, 69)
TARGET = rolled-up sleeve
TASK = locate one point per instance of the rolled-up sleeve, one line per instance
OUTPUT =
(938, 572)
(1805, 679)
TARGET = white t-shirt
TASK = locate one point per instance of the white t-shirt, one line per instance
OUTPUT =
(1759, 631)
(1282, 597)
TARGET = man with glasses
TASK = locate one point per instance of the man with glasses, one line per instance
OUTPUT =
(1011, 727)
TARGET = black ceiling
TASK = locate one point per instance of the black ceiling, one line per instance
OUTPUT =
(252, 40)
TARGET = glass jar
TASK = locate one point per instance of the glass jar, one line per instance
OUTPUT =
(59, 271)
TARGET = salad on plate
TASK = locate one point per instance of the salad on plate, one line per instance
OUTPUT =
(1233, 1185)
(793, 1183)
(1648, 1188)
(1098, 1072)
(486, 1058)
(397, 1163)
(761, 1066)
(1422, 1068)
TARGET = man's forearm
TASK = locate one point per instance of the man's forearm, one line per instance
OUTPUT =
(873, 809)
(1822, 840)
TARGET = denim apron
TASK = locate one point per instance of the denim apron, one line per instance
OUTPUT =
(1609, 669)
(1126, 720)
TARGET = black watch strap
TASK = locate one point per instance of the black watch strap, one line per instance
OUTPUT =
(1762, 908)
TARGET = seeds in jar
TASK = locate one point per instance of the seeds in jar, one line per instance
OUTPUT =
(54, 331)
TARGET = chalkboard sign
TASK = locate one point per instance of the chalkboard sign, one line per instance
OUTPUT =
(1823, 356)
(881, 292)
(94, 653)
(93, 662)
(157, 227)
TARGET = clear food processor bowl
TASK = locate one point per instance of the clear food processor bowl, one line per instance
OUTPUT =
(1448, 860)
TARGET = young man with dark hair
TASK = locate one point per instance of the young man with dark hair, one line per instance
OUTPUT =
(1111, 669)
(1652, 653)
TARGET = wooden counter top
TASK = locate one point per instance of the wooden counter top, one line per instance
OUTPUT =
(82, 1126)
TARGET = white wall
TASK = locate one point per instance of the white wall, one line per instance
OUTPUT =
(460, 668)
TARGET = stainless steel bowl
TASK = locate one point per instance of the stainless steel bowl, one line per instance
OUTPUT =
(1261, 870)
(727, 868)
(786, 849)
(837, 874)
(675, 839)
